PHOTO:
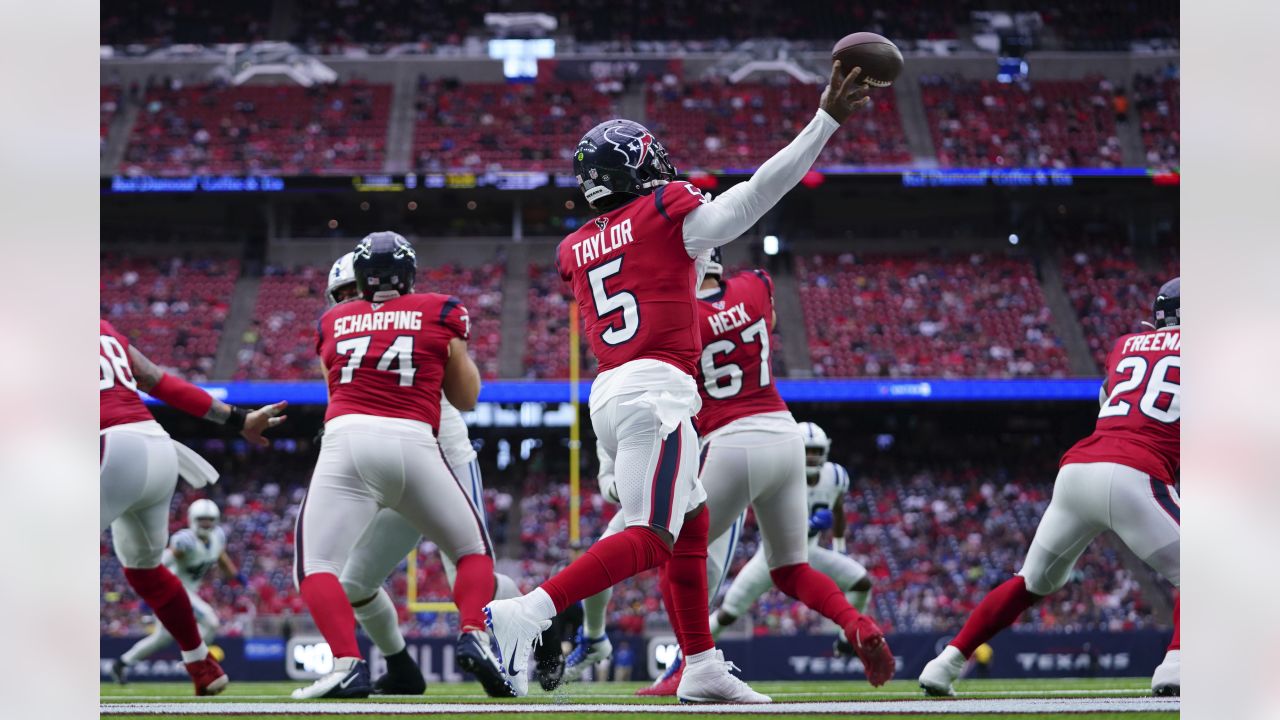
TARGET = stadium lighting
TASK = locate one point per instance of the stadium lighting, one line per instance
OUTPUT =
(770, 244)
(1013, 238)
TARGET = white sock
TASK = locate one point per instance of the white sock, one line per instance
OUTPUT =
(506, 587)
(699, 658)
(716, 627)
(594, 610)
(379, 619)
(859, 599)
(199, 653)
(952, 654)
(539, 603)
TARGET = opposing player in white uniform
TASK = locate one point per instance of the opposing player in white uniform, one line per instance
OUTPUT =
(828, 485)
(191, 553)
(389, 538)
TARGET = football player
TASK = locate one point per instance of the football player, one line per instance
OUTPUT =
(828, 485)
(633, 270)
(1120, 478)
(387, 356)
(390, 537)
(139, 468)
(191, 552)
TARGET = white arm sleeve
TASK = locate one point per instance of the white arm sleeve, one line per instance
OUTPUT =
(741, 206)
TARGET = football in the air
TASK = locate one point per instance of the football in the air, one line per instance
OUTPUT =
(880, 59)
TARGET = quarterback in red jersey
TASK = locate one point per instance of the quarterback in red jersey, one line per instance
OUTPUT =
(1120, 478)
(387, 356)
(139, 467)
(634, 271)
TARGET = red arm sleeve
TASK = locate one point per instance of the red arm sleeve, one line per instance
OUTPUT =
(182, 395)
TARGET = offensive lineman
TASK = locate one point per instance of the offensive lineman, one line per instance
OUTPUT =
(828, 484)
(633, 271)
(191, 552)
(139, 468)
(388, 355)
(1120, 478)
(389, 538)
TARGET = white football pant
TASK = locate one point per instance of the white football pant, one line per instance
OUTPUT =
(753, 580)
(138, 473)
(1090, 498)
(160, 638)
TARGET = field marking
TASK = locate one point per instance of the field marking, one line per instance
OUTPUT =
(1041, 706)
(560, 697)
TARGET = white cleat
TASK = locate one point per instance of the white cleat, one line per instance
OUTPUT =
(1167, 679)
(711, 681)
(941, 672)
(349, 679)
(586, 653)
(515, 631)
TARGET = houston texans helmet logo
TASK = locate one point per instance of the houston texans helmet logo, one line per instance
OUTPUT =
(631, 141)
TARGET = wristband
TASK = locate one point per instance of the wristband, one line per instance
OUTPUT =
(182, 395)
(236, 419)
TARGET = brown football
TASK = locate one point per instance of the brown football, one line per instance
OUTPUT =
(880, 59)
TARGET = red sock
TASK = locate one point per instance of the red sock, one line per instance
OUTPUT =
(668, 599)
(686, 593)
(163, 591)
(332, 612)
(473, 589)
(816, 590)
(1177, 613)
(607, 563)
(996, 612)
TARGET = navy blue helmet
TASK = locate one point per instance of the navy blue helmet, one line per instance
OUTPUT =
(385, 266)
(1166, 308)
(619, 160)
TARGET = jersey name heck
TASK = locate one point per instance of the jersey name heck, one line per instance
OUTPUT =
(730, 319)
(595, 246)
(386, 320)
(1153, 342)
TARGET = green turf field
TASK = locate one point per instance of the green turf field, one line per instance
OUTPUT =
(1100, 698)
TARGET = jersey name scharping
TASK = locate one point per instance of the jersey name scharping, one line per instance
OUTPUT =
(730, 319)
(606, 241)
(386, 320)
(1153, 342)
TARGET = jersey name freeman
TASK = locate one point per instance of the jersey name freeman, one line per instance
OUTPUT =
(1157, 341)
(595, 246)
(385, 320)
(725, 320)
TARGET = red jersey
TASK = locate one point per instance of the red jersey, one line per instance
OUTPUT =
(118, 401)
(735, 379)
(388, 359)
(1139, 426)
(634, 280)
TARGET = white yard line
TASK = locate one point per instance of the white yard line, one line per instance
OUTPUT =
(1040, 706)
(573, 695)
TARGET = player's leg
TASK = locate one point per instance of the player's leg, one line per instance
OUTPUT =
(1146, 515)
(1075, 516)
(592, 643)
(751, 582)
(206, 617)
(434, 502)
(378, 551)
(335, 512)
(155, 641)
(848, 574)
(780, 502)
(140, 534)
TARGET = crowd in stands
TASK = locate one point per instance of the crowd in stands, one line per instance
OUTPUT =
(1109, 290)
(503, 126)
(157, 23)
(983, 315)
(714, 124)
(1046, 123)
(280, 343)
(108, 105)
(173, 308)
(546, 354)
(260, 129)
(1156, 99)
(937, 529)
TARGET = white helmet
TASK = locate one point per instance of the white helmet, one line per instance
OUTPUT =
(342, 274)
(199, 510)
(816, 448)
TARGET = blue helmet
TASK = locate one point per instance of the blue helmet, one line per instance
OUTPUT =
(385, 266)
(619, 160)
(1166, 308)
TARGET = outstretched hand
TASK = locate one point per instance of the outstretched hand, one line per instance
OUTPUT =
(258, 421)
(842, 95)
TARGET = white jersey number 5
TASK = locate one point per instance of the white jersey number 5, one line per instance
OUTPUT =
(606, 303)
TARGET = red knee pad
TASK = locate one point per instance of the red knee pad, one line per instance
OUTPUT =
(155, 585)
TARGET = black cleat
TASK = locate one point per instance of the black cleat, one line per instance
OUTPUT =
(842, 647)
(474, 655)
(120, 672)
(1168, 691)
(403, 677)
(549, 667)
